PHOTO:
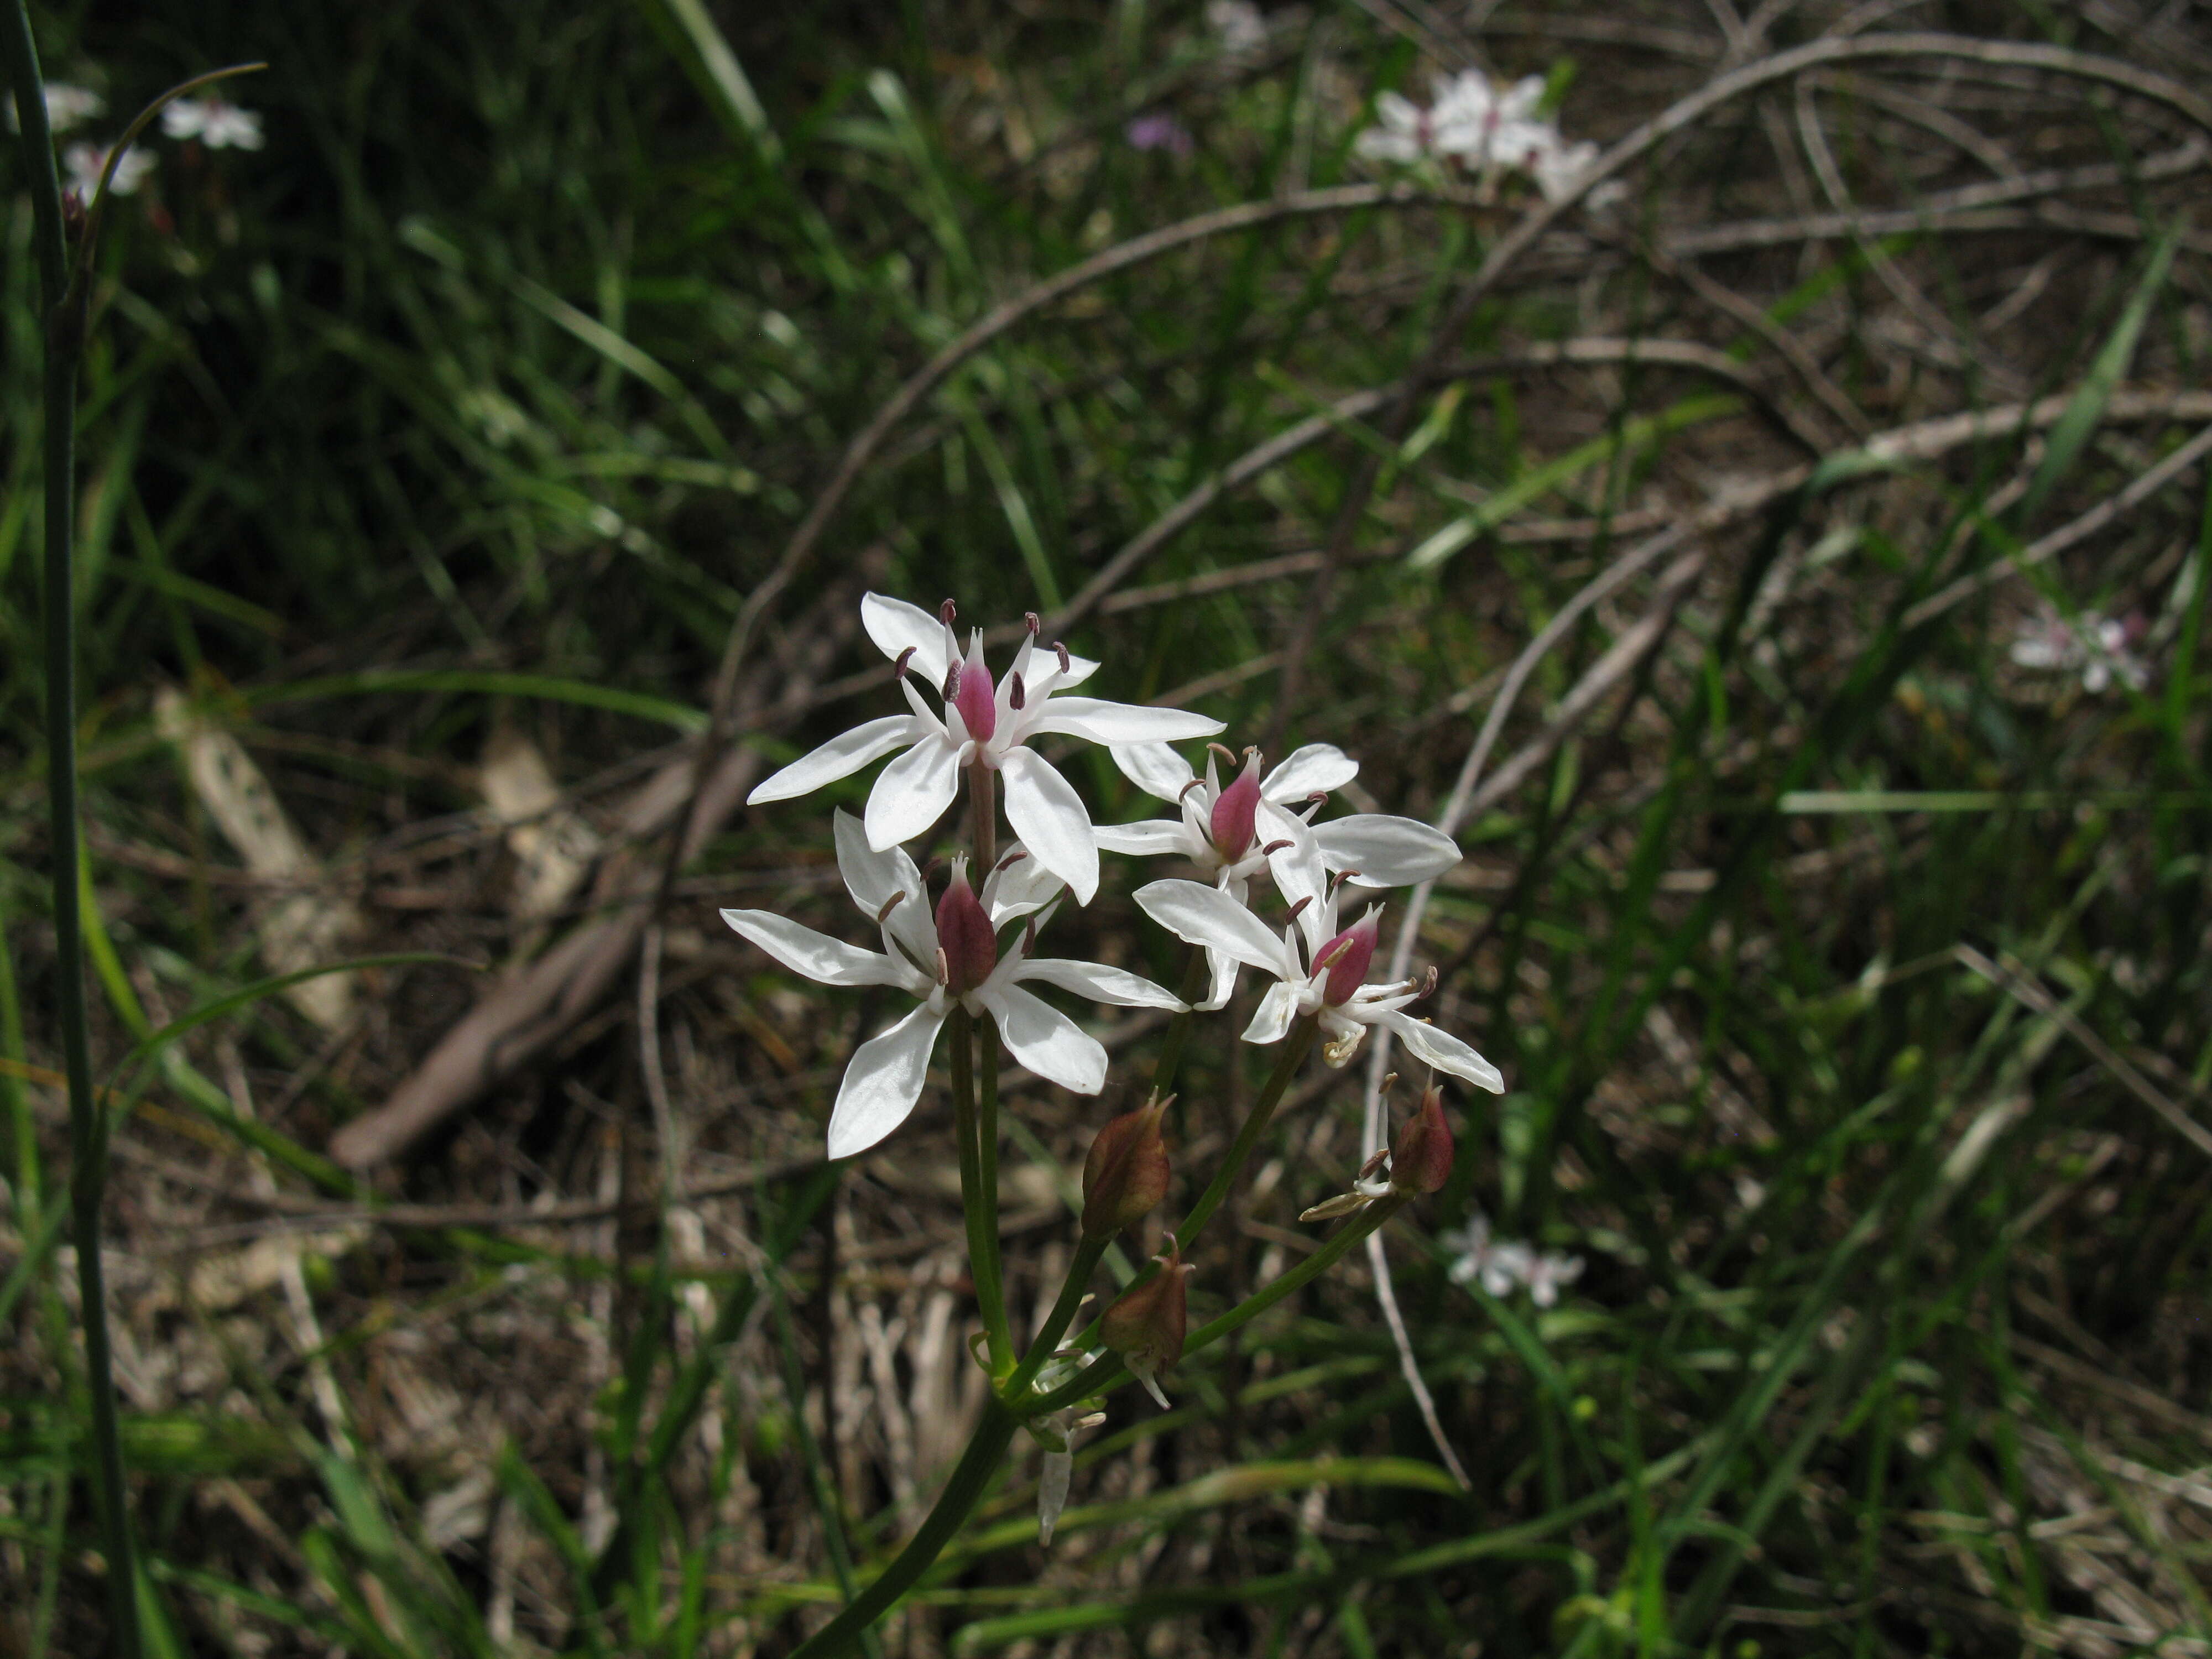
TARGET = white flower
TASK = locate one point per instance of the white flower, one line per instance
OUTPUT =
(85, 163)
(1056, 1432)
(1328, 979)
(1546, 1275)
(1227, 832)
(1499, 1264)
(215, 123)
(942, 960)
(67, 107)
(982, 725)
(1237, 25)
(2099, 647)
(1556, 165)
(1406, 135)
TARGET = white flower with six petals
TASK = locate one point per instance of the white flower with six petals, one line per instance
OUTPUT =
(1228, 832)
(943, 958)
(1326, 978)
(982, 724)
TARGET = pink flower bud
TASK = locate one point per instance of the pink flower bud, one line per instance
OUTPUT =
(1348, 956)
(1145, 1325)
(965, 937)
(975, 697)
(1234, 810)
(1126, 1175)
(1421, 1156)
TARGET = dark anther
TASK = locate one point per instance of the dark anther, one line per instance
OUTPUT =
(888, 905)
(945, 613)
(898, 668)
(1016, 694)
(1011, 858)
(1196, 783)
(1037, 627)
(952, 682)
(1226, 753)
(1066, 666)
(1428, 982)
(1275, 847)
(1299, 906)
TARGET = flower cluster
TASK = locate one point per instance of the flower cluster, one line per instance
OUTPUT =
(213, 122)
(1484, 129)
(965, 958)
(1501, 1265)
(949, 954)
(2102, 649)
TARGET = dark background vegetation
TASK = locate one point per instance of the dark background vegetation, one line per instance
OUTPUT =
(1848, 975)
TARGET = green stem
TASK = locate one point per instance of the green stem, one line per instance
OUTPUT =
(982, 1223)
(1196, 975)
(961, 1490)
(1088, 1255)
(1295, 1045)
(64, 341)
(1109, 1371)
(987, 1169)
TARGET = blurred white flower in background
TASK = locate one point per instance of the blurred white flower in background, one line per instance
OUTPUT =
(67, 107)
(84, 163)
(1484, 129)
(213, 122)
(1238, 26)
(1501, 1265)
(2100, 648)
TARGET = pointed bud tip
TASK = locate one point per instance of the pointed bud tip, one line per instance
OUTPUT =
(1421, 1156)
(1125, 1175)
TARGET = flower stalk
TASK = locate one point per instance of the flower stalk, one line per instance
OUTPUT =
(63, 294)
(982, 1220)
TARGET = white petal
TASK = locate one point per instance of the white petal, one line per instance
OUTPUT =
(873, 877)
(839, 758)
(1019, 889)
(1119, 722)
(818, 956)
(1045, 1039)
(883, 1082)
(1224, 968)
(1154, 768)
(914, 790)
(1300, 876)
(1387, 852)
(1097, 982)
(1148, 838)
(1049, 816)
(1272, 1017)
(1205, 915)
(1442, 1050)
(1052, 1491)
(894, 625)
(1316, 769)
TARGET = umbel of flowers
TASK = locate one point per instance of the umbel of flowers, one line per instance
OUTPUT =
(964, 951)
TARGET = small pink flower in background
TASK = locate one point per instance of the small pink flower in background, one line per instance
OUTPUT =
(1160, 131)
(84, 163)
(213, 122)
(984, 724)
(943, 958)
(1501, 1265)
